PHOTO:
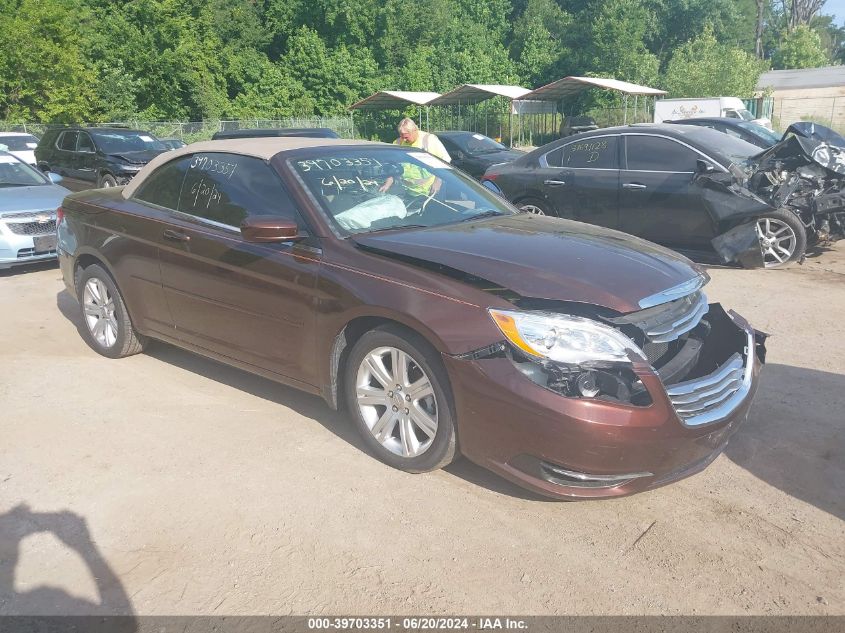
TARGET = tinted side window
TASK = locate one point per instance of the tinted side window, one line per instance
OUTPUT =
(593, 153)
(226, 188)
(653, 153)
(85, 144)
(164, 185)
(555, 158)
(67, 141)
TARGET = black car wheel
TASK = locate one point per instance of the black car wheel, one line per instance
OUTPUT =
(398, 393)
(106, 325)
(107, 180)
(783, 238)
(535, 207)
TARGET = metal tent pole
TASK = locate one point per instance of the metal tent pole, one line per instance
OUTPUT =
(510, 125)
(625, 101)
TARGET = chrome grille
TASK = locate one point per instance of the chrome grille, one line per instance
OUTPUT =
(32, 228)
(668, 321)
(712, 397)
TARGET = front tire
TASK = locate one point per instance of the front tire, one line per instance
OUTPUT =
(106, 181)
(106, 326)
(398, 394)
(783, 238)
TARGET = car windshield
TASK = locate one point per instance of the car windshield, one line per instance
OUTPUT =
(367, 189)
(16, 173)
(114, 142)
(18, 143)
(745, 115)
(475, 144)
(760, 131)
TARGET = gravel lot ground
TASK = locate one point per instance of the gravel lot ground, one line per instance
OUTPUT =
(208, 491)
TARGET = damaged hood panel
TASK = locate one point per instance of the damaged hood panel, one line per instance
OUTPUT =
(545, 258)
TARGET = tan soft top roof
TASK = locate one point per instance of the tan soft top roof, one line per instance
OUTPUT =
(262, 147)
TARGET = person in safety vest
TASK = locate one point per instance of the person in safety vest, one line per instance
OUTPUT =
(418, 180)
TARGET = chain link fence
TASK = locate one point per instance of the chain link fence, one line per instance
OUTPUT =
(193, 131)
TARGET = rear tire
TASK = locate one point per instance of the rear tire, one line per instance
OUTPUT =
(106, 325)
(398, 394)
(535, 207)
(783, 238)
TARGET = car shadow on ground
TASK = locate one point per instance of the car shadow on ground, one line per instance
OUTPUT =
(72, 531)
(794, 438)
(307, 405)
(791, 440)
(23, 269)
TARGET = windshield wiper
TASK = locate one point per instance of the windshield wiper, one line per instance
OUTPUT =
(483, 214)
(16, 184)
(396, 227)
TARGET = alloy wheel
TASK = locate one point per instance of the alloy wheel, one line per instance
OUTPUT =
(98, 308)
(777, 241)
(533, 209)
(397, 401)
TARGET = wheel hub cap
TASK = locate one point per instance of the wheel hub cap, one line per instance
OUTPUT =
(397, 401)
(777, 241)
(98, 309)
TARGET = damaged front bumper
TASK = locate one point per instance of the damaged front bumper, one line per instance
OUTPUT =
(571, 448)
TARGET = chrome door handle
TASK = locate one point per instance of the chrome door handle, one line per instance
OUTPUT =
(633, 185)
(554, 183)
(176, 236)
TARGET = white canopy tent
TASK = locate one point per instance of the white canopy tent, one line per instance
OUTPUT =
(570, 86)
(476, 93)
(472, 94)
(396, 100)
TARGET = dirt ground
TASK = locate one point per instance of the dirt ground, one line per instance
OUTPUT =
(168, 484)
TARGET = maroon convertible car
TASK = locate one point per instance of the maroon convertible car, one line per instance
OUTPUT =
(573, 360)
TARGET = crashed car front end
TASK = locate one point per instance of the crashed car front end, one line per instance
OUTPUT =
(804, 175)
(609, 405)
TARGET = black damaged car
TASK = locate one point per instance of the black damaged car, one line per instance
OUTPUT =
(694, 189)
(95, 157)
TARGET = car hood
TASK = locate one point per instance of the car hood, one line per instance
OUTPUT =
(36, 198)
(546, 258)
(141, 157)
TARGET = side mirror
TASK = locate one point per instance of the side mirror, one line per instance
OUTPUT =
(54, 178)
(262, 229)
(704, 167)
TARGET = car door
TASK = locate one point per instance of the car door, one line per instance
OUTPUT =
(250, 302)
(658, 197)
(581, 180)
(85, 162)
(138, 229)
(63, 161)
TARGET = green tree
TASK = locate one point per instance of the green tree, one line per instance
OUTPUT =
(802, 48)
(615, 41)
(705, 68)
(44, 73)
(333, 77)
(537, 45)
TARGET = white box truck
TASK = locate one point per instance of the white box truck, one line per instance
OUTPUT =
(732, 107)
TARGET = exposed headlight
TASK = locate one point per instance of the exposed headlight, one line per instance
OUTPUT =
(563, 338)
(132, 167)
